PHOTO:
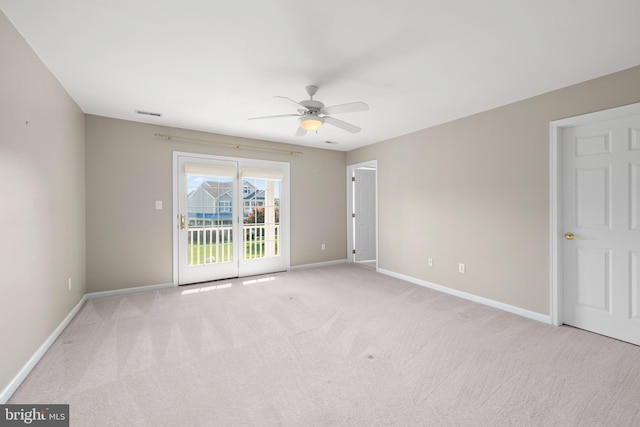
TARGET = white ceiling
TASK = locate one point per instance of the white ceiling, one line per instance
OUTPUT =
(210, 65)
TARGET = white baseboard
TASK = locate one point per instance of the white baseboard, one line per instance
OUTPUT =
(319, 264)
(31, 363)
(125, 291)
(475, 298)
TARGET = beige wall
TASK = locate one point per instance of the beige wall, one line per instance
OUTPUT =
(42, 198)
(476, 191)
(129, 243)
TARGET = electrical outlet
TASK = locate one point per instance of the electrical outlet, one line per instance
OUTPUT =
(69, 283)
(461, 268)
(430, 262)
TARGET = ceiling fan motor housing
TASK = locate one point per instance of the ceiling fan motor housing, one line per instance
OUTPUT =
(312, 106)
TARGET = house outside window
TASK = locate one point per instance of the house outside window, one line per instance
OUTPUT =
(250, 205)
(225, 206)
(210, 202)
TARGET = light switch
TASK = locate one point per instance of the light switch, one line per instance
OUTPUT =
(158, 204)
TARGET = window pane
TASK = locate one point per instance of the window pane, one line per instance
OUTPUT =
(209, 207)
(261, 217)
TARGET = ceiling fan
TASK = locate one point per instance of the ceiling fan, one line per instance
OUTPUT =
(313, 114)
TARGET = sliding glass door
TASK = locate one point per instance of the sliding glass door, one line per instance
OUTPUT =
(232, 217)
(261, 226)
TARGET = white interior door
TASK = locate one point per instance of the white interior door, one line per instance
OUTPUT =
(232, 218)
(601, 219)
(365, 214)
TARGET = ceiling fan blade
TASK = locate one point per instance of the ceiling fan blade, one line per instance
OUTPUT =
(342, 125)
(301, 131)
(295, 102)
(351, 107)
(274, 117)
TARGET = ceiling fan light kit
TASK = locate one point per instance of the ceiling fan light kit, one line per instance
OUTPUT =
(311, 123)
(313, 114)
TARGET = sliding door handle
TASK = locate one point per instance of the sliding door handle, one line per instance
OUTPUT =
(182, 222)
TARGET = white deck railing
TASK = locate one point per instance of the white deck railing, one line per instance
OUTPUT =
(210, 245)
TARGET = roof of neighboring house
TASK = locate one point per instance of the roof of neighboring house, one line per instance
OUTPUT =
(219, 189)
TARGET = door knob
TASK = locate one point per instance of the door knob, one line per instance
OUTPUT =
(569, 236)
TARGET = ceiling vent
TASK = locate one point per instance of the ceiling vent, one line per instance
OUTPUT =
(148, 113)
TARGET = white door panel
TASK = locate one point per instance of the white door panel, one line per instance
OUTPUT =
(593, 197)
(601, 191)
(365, 219)
(635, 284)
(594, 278)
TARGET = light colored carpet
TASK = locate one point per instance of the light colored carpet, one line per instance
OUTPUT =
(339, 345)
(368, 264)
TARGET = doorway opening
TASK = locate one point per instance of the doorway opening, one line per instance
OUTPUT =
(362, 213)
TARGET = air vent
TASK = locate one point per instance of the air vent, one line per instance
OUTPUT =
(148, 113)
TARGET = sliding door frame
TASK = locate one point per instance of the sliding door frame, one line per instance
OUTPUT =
(284, 227)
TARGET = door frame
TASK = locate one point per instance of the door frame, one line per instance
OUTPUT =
(557, 198)
(350, 200)
(284, 207)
